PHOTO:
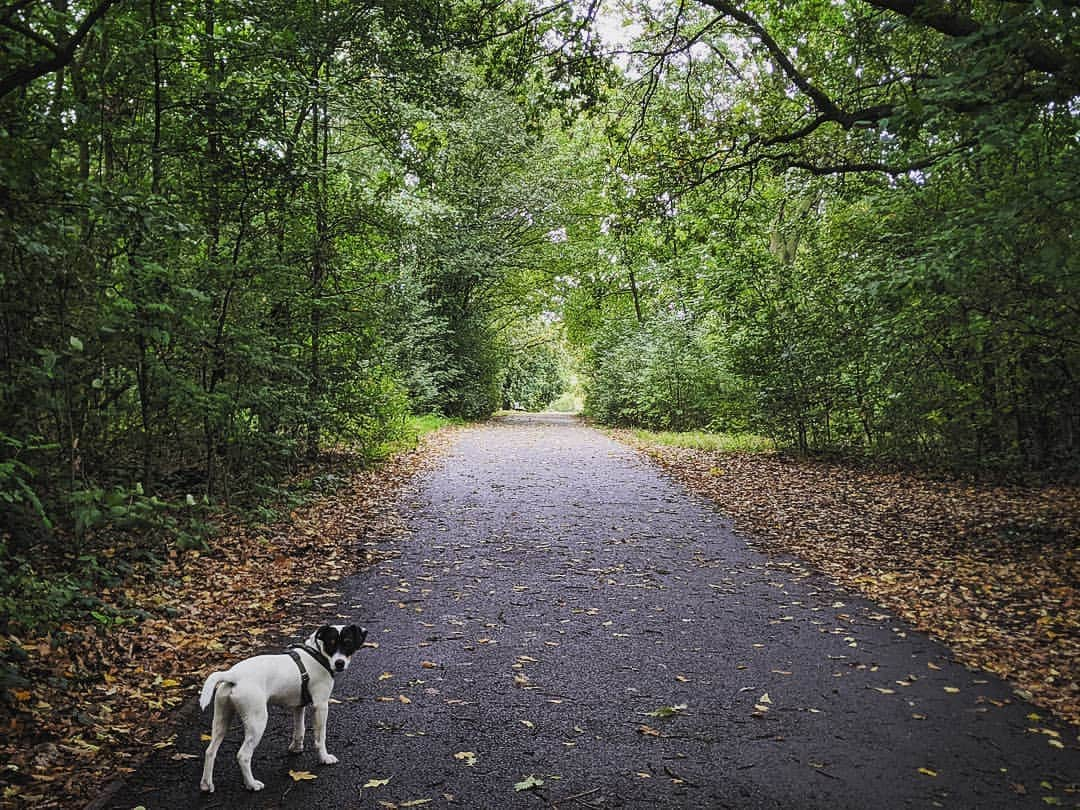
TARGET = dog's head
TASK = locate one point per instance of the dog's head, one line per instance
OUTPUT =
(338, 642)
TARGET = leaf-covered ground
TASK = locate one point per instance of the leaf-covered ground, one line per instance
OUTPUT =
(992, 571)
(96, 703)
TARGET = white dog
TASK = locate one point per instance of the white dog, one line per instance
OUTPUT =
(303, 675)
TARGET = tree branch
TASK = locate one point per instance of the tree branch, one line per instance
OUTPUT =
(62, 56)
(1040, 56)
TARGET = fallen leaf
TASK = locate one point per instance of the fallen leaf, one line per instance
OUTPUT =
(669, 711)
(374, 783)
(927, 772)
(468, 757)
(528, 783)
(300, 776)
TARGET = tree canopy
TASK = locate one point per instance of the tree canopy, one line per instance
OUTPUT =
(235, 234)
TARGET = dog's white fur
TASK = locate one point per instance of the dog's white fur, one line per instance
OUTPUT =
(251, 685)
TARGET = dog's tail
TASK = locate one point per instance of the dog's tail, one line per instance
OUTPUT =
(211, 684)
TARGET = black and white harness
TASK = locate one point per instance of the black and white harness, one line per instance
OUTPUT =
(305, 693)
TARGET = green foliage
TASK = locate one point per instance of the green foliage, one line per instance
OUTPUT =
(662, 374)
(133, 512)
(226, 249)
(862, 262)
(31, 600)
(535, 376)
(22, 502)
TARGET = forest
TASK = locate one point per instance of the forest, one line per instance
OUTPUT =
(236, 235)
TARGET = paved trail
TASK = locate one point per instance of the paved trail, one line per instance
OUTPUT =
(554, 595)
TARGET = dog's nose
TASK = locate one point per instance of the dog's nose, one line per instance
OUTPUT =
(339, 665)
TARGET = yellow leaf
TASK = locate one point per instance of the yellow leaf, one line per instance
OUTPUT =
(374, 783)
(415, 802)
(169, 682)
(927, 772)
(952, 690)
(468, 757)
(386, 676)
(299, 776)
(405, 700)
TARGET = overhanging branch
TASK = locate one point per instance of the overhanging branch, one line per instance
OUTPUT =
(63, 53)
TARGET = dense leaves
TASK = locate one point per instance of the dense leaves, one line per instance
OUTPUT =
(257, 232)
(850, 226)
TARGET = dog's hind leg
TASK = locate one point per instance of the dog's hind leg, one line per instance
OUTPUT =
(297, 744)
(325, 757)
(223, 714)
(254, 718)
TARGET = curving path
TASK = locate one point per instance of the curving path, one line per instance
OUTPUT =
(561, 610)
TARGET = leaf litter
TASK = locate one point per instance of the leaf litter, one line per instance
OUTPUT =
(92, 700)
(993, 571)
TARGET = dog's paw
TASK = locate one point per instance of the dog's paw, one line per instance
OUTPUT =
(328, 759)
(206, 787)
(256, 785)
(296, 748)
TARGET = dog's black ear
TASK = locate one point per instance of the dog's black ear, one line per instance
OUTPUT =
(352, 638)
(327, 635)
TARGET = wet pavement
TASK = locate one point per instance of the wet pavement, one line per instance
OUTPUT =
(564, 626)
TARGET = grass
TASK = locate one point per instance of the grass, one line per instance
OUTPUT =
(428, 423)
(702, 440)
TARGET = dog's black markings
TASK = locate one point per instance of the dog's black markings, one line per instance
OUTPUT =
(349, 641)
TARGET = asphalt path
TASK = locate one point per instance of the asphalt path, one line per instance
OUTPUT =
(564, 626)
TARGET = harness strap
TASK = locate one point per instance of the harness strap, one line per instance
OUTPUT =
(318, 656)
(305, 693)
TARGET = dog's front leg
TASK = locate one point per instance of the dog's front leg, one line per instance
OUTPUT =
(325, 757)
(297, 744)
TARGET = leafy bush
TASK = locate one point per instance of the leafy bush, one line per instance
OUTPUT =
(663, 374)
(534, 378)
